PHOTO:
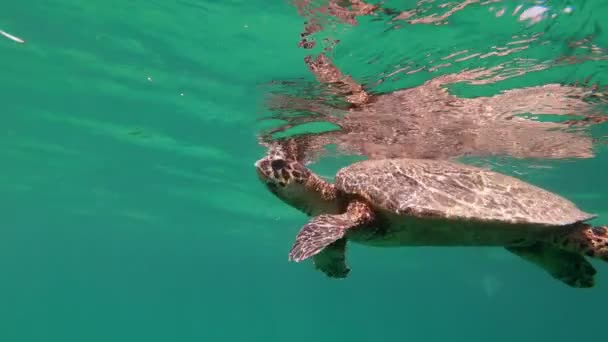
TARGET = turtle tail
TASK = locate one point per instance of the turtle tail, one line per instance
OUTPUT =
(590, 241)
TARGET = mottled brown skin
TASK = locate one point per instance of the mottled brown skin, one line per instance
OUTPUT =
(335, 9)
(409, 202)
(295, 185)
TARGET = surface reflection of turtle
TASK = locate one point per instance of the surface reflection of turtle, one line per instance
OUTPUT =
(428, 122)
(413, 202)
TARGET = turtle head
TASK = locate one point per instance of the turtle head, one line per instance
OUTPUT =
(289, 180)
(279, 172)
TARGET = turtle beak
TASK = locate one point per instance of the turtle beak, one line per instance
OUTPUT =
(260, 166)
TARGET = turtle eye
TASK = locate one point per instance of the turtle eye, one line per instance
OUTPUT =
(277, 164)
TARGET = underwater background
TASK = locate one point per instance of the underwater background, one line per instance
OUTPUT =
(131, 210)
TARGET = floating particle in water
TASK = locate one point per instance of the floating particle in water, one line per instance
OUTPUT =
(11, 37)
(568, 9)
(491, 285)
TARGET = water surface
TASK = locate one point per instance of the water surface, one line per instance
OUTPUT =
(131, 210)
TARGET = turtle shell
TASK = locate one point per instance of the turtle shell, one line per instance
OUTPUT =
(441, 188)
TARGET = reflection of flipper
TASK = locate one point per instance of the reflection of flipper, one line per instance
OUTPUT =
(326, 72)
(568, 267)
(333, 9)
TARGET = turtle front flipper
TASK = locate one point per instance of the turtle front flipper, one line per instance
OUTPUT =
(324, 238)
(332, 260)
(568, 267)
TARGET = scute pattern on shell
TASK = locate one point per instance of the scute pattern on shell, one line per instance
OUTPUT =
(447, 189)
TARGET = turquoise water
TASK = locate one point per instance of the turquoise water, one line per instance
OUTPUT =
(131, 210)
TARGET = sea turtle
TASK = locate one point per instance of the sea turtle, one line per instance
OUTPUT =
(418, 202)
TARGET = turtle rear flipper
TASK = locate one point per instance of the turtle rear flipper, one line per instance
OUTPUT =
(568, 267)
(589, 241)
(324, 231)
